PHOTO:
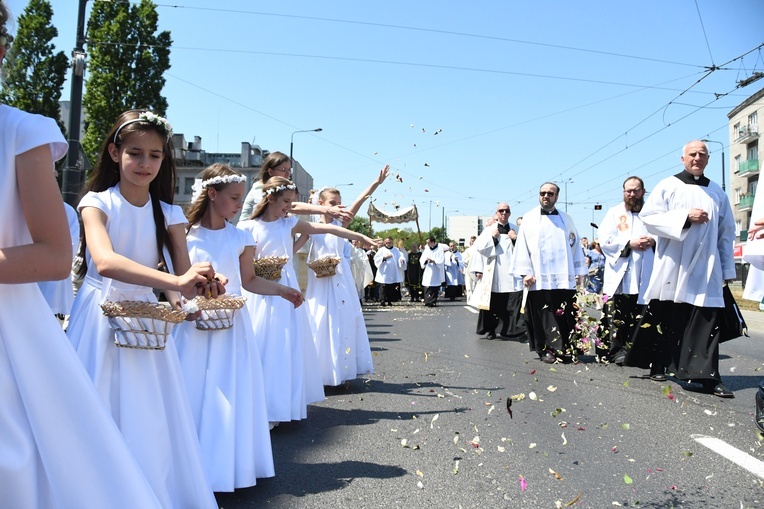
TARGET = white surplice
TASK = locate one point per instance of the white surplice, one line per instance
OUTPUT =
(388, 269)
(753, 253)
(432, 261)
(692, 263)
(555, 236)
(624, 274)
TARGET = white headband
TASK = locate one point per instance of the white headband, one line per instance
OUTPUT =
(151, 118)
(278, 189)
(200, 185)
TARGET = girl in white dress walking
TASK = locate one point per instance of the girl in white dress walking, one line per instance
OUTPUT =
(339, 329)
(129, 226)
(283, 333)
(222, 368)
(60, 448)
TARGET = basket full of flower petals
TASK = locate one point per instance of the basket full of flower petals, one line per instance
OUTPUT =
(269, 267)
(324, 267)
(140, 324)
(216, 314)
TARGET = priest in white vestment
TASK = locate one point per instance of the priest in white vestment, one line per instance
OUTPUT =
(692, 218)
(550, 261)
(628, 250)
(504, 292)
(389, 263)
(454, 275)
(432, 261)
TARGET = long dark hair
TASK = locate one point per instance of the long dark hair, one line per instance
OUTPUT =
(106, 175)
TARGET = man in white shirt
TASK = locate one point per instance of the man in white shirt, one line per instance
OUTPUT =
(389, 262)
(628, 250)
(432, 261)
(549, 259)
(692, 219)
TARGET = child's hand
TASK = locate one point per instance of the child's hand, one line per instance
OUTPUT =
(195, 281)
(290, 294)
(383, 173)
(369, 242)
(339, 212)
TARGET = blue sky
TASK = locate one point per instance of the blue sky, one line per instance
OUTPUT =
(517, 92)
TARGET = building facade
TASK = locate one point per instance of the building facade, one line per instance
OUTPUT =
(744, 158)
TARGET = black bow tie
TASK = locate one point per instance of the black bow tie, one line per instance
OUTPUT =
(503, 228)
(552, 213)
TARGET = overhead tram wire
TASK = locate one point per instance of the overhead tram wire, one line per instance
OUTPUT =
(427, 30)
(664, 108)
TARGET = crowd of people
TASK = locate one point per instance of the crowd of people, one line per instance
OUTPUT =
(187, 413)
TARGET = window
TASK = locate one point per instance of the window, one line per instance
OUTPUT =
(753, 118)
(736, 131)
(736, 166)
(188, 183)
(752, 151)
(752, 187)
(738, 192)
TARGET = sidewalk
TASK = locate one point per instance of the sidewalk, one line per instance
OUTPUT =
(754, 320)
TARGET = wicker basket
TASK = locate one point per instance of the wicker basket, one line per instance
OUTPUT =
(270, 267)
(217, 314)
(324, 267)
(142, 325)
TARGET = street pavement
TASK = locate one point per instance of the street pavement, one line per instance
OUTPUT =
(430, 429)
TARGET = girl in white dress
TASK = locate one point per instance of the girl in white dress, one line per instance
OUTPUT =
(339, 329)
(60, 448)
(222, 367)
(283, 333)
(130, 226)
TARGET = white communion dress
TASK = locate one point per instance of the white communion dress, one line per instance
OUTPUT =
(339, 330)
(224, 375)
(283, 333)
(143, 389)
(59, 448)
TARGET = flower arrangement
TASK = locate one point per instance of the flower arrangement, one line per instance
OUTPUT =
(587, 332)
(278, 189)
(153, 118)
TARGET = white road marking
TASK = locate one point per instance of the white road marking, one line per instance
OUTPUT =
(736, 456)
(471, 309)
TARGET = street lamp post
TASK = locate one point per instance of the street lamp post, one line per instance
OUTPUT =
(566, 182)
(724, 186)
(291, 144)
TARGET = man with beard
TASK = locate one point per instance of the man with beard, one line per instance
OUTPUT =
(389, 262)
(498, 295)
(431, 261)
(414, 274)
(692, 218)
(628, 250)
(549, 259)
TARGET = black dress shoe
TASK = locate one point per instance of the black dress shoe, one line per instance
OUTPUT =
(548, 357)
(718, 389)
(658, 374)
(490, 335)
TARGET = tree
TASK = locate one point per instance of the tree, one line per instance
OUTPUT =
(127, 63)
(360, 225)
(34, 74)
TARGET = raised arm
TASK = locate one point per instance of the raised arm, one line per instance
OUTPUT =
(366, 194)
(305, 227)
(337, 212)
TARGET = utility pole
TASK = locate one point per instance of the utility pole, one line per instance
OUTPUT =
(73, 177)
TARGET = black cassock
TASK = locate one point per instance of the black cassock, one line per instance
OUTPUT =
(414, 276)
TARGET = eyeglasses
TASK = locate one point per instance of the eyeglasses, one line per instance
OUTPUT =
(282, 170)
(631, 191)
(503, 211)
(546, 193)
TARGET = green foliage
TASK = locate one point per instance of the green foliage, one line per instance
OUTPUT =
(360, 225)
(34, 74)
(127, 60)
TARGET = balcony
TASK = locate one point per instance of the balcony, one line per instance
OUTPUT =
(750, 167)
(743, 235)
(747, 133)
(746, 202)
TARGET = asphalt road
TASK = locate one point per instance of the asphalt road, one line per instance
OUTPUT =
(430, 429)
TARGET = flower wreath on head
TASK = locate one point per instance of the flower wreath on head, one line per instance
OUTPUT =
(278, 189)
(317, 195)
(151, 118)
(200, 185)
